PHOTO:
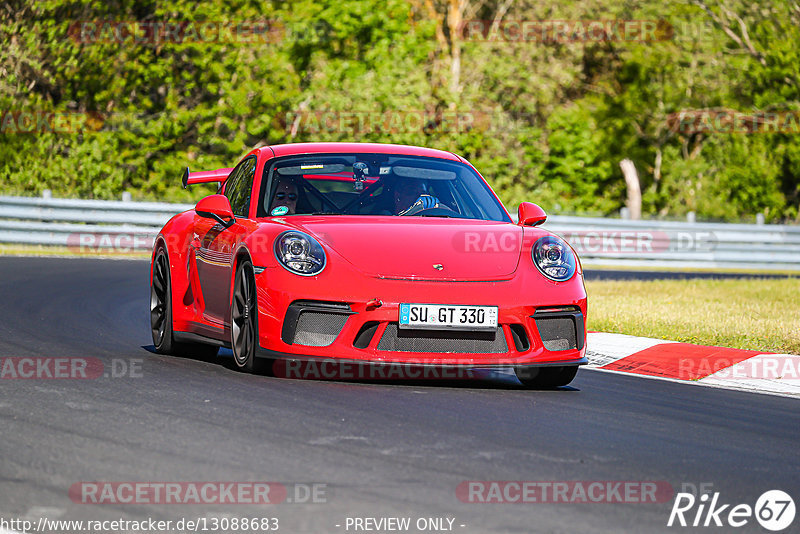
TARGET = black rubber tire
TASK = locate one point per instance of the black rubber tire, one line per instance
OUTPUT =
(161, 304)
(161, 315)
(546, 377)
(244, 321)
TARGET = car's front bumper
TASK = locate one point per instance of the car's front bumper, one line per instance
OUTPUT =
(355, 330)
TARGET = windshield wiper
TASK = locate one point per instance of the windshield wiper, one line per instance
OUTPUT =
(327, 213)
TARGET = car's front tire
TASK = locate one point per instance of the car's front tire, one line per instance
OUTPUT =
(244, 319)
(161, 304)
(546, 377)
(161, 315)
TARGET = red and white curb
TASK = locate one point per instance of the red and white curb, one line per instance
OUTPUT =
(747, 370)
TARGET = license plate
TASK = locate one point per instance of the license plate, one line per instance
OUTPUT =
(447, 316)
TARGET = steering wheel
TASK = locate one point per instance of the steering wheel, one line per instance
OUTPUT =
(439, 210)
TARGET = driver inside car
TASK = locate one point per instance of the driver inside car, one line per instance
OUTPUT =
(411, 196)
(284, 202)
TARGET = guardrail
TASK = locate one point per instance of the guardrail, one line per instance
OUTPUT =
(601, 241)
(125, 226)
(84, 225)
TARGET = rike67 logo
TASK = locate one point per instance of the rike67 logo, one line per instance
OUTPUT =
(774, 510)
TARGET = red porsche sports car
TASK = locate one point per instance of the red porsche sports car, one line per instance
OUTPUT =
(371, 254)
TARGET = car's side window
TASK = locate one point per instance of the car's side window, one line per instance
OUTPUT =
(230, 182)
(240, 186)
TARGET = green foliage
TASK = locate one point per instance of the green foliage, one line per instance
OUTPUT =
(547, 122)
(575, 175)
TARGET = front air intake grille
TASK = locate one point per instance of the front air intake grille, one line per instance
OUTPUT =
(557, 333)
(456, 342)
(318, 329)
(314, 323)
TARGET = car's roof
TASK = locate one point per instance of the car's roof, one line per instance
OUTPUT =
(359, 148)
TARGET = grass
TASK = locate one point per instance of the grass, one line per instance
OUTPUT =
(757, 314)
(684, 269)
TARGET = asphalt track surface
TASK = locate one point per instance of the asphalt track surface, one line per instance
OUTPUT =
(384, 449)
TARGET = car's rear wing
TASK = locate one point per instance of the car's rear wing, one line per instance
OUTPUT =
(204, 177)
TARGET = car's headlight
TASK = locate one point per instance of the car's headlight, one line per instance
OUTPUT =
(300, 253)
(554, 259)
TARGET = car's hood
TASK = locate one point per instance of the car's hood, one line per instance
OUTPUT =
(422, 248)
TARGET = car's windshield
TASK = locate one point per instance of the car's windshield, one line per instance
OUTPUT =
(376, 184)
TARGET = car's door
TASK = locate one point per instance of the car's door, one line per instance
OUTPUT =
(214, 245)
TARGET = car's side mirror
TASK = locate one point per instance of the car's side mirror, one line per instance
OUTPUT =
(216, 207)
(529, 214)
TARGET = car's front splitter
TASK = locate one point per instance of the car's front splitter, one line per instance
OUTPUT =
(328, 368)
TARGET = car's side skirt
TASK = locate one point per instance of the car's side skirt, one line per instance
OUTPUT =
(191, 337)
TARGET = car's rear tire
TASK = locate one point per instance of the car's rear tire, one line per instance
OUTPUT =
(546, 377)
(161, 315)
(244, 321)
